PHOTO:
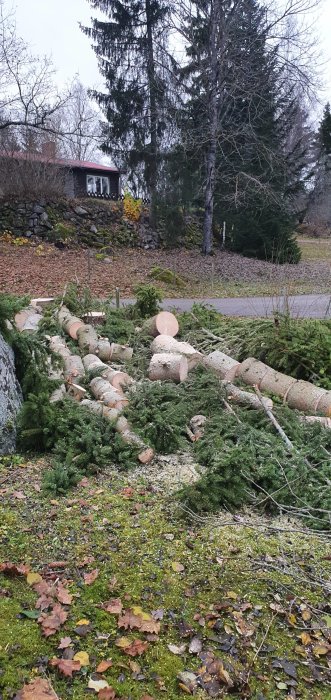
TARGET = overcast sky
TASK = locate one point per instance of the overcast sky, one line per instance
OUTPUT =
(51, 27)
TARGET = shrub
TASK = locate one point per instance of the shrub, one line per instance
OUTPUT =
(132, 207)
(148, 300)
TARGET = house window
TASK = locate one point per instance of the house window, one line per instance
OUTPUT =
(97, 184)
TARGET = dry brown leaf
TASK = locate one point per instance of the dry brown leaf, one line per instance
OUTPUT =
(63, 594)
(107, 694)
(51, 623)
(66, 666)
(305, 638)
(90, 578)
(65, 642)
(114, 606)
(104, 665)
(9, 569)
(37, 689)
(136, 648)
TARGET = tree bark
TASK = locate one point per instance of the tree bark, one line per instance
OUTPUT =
(213, 116)
(166, 366)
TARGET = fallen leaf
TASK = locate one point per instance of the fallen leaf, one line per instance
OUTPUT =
(305, 638)
(114, 606)
(107, 694)
(51, 623)
(177, 650)
(33, 578)
(97, 684)
(20, 495)
(282, 686)
(66, 666)
(136, 648)
(84, 621)
(135, 618)
(306, 615)
(83, 658)
(37, 689)
(65, 642)
(122, 642)
(135, 668)
(232, 595)
(320, 650)
(146, 697)
(195, 646)
(63, 594)
(127, 492)
(104, 665)
(169, 536)
(10, 569)
(292, 619)
(177, 567)
(90, 578)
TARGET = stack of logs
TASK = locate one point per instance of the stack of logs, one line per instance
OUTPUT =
(171, 360)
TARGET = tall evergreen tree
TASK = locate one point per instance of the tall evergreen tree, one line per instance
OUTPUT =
(234, 117)
(131, 46)
(324, 132)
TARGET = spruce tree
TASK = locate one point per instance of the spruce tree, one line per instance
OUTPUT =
(324, 132)
(131, 48)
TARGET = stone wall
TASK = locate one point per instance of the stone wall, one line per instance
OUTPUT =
(89, 222)
(10, 399)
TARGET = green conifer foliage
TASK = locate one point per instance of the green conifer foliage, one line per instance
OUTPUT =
(324, 133)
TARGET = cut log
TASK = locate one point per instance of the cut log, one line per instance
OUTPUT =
(104, 349)
(94, 317)
(106, 393)
(58, 344)
(164, 323)
(73, 368)
(196, 427)
(168, 344)
(245, 398)
(69, 322)
(223, 365)
(116, 378)
(93, 365)
(325, 422)
(252, 371)
(121, 352)
(147, 453)
(168, 366)
(324, 405)
(42, 302)
(27, 320)
(87, 339)
(58, 394)
(76, 392)
(305, 396)
(122, 425)
(94, 406)
(277, 383)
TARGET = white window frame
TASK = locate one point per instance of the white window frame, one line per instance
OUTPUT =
(94, 189)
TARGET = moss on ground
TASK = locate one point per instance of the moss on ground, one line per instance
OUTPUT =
(243, 583)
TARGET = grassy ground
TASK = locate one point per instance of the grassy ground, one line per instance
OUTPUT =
(256, 599)
(44, 270)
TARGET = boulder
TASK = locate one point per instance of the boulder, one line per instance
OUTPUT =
(80, 211)
(10, 399)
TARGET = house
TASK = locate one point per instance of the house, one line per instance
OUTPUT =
(78, 178)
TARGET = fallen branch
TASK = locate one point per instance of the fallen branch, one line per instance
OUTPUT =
(273, 420)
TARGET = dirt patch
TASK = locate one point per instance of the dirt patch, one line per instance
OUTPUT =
(44, 270)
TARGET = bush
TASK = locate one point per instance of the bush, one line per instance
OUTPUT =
(264, 234)
(148, 301)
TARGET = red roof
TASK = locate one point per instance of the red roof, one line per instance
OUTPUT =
(88, 165)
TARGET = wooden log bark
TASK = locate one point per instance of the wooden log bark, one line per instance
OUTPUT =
(277, 383)
(27, 320)
(168, 344)
(94, 406)
(69, 322)
(305, 396)
(77, 392)
(104, 349)
(73, 368)
(105, 392)
(164, 323)
(93, 365)
(252, 371)
(324, 405)
(94, 317)
(122, 353)
(223, 365)
(245, 398)
(168, 366)
(58, 344)
(58, 394)
(87, 339)
(116, 378)
(322, 420)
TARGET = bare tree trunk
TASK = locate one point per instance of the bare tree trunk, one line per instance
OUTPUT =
(213, 114)
(152, 174)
